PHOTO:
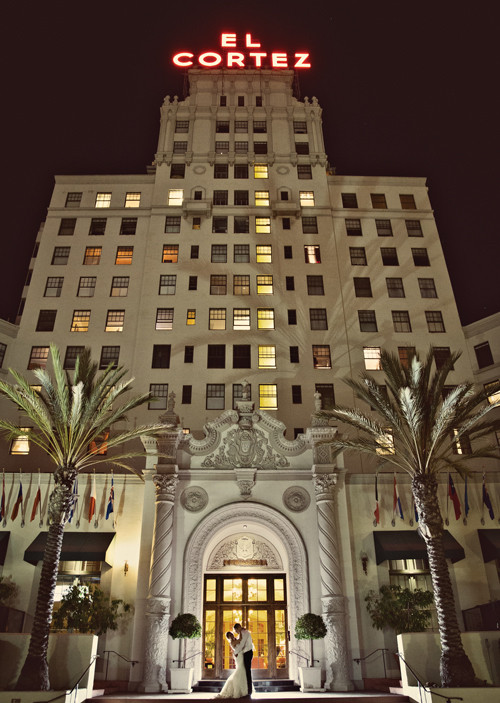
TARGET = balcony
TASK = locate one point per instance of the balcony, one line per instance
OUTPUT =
(196, 208)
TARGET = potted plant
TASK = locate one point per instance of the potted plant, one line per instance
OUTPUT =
(86, 608)
(185, 626)
(310, 627)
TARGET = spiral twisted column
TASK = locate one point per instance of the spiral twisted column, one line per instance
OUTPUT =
(332, 596)
(158, 601)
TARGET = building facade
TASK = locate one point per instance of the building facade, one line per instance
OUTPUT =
(240, 280)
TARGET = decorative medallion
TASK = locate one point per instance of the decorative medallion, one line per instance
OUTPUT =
(296, 498)
(199, 169)
(194, 499)
(283, 170)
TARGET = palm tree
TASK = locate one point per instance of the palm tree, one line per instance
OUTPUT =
(69, 420)
(423, 423)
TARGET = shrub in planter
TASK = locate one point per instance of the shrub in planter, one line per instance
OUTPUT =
(400, 609)
(310, 627)
(184, 626)
(88, 609)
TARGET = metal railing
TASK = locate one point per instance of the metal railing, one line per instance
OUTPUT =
(178, 661)
(291, 651)
(75, 686)
(112, 651)
(421, 685)
(380, 649)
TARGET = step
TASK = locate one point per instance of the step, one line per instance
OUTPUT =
(290, 697)
(260, 685)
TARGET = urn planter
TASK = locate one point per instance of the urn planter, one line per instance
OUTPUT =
(310, 679)
(181, 680)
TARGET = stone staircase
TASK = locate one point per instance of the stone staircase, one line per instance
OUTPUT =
(260, 686)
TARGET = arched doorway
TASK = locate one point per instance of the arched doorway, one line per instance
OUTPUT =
(267, 593)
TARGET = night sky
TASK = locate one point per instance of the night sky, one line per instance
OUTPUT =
(407, 89)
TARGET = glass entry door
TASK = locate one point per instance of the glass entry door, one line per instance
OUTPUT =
(258, 603)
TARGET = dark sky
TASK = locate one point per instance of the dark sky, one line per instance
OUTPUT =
(407, 89)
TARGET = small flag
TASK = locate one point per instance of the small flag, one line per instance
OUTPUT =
(454, 497)
(3, 514)
(19, 502)
(396, 503)
(377, 508)
(92, 500)
(74, 499)
(111, 502)
(36, 502)
(466, 498)
(487, 500)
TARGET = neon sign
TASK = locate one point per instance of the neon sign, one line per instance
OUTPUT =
(241, 59)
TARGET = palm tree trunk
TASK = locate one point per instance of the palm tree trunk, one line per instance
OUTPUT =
(35, 672)
(455, 666)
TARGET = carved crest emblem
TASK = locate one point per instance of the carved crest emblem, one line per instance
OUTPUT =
(244, 548)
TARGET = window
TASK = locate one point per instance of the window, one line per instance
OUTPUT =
(265, 285)
(362, 287)
(38, 358)
(260, 147)
(109, 355)
(181, 126)
(103, 200)
(119, 287)
(408, 202)
(405, 355)
(132, 200)
(187, 392)
(401, 320)
(378, 201)
(367, 321)
(221, 170)
(92, 256)
(97, 225)
(177, 170)
(72, 353)
(317, 318)
(180, 147)
(218, 285)
(240, 147)
(389, 256)
(299, 127)
(358, 256)
(161, 356)
(20, 444)
(296, 395)
(263, 225)
(312, 254)
(265, 318)
(164, 318)
(259, 126)
(238, 392)
(461, 444)
(219, 253)
(222, 147)
(420, 257)
(219, 225)
(159, 396)
(196, 222)
(435, 321)
(241, 253)
(46, 320)
(73, 200)
(215, 396)
(128, 225)
(241, 224)
(263, 253)
(241, 318)
(114, 321)
(353, 227)
(427, 287)
(386, 443)
(195, 251)
(327, 395)
(262, 198)
(188, 354)
(217, 319)
(241, 126)
(371, 356)
(395, 288)
(124, 256)
(441, 356)
(67, 226)
(310, 225)
(167, 285)
(349, 200)
(3, 349)
(321, 356)
(492, 390)
(289, 283)
(53, 287)
(241, 197)
(267, 356)
(384, 228)
(268, 396)
(175, 197)
(80, 321)
(414, 228)
(60, 256)
(222, 126)
(223, 100)
(292, 317)
(287, 252)
(170, 254)
(483, 355)
(193, 283)
(240, 170)
(285, 221)
(304, 171)
(260, 171)
(191, 317)
(216, 356)
(172, 224)
(241, 285)
(220, 197)
(241, 356)
(315, 285)
(302, 148)
(294, 355)
(306, 198)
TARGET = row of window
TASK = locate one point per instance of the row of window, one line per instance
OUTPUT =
(395, 287)
(379, 201)
(384, 228)
(97, 226)
(223, 126)
(103, 200)
(389, 256)
(240, 102)
(261, 198)
(401, 321)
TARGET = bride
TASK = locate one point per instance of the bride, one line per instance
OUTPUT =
(236, 685)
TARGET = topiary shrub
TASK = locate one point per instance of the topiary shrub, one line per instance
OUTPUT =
(184, 626)
(310, 627)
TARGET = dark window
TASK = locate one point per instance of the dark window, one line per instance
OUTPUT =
(317, 318)
(181, 126)
(72, 353)
(241, 101)
(395, 287)
(241, 197)
(241, 224)
(241, 356)
(67, 226)
(441, 356)
(362, 288)
(173, 224)
(389, 256)
(299, 127)
(285, 221)
(218, 284)
(215, 396)
(241, 253)
(220, 197)
(287, 251)
(60, 256)
(161, 356)
(167, 284)
(353, 227)
(158, 396)
(258, 101)
(193, 283)
(180, 147)
(292, 317)
(240, 147)
(195, 251)
(222, 126)
(408, 202)
(196, 222)
(241, 126)
(221, 171)
(420, 257)
(384, 228)
(46, 320)
(109, 355)
(3, 349)
(483, 355)
(198, 195)
(367, 321)
(405, 355)
(401, 320)
(241, 171)
(304, 171)
(435, 321)
(53, 287)
(177, 170)
(219, 253)
(219, 225)
(188, 354)
(128, 225)
(260, 147)
(315, 285)
(216, 356)
(38, 358)
(302, 147)
(296, 395)
(290, 283)
(349, 200)
(327, 395)
(259, 126)
(187, 392)
(358, 256)
(427, 287)
(310, 225)
(284, 195)
(73, 199)
(97, 225)
(294, 355)
(378, 201)
(414, 228)
(222, 147)
(223, 100)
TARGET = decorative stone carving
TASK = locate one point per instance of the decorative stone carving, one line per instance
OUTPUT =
(336, 651)
(245, 478)
(245, 448)
(296, 499)
(156, 645)
(194, 499)
(321, 436)
(165, 486)
(246, 550)
(323, 485)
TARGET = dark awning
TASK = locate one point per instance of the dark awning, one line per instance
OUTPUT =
(4, 541)
(490, 544)
(407, 544)
(77, 546)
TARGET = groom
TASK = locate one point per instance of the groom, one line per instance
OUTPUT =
(244, 646)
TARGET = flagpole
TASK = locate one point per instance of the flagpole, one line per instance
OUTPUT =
(3, 509)
(447, 521)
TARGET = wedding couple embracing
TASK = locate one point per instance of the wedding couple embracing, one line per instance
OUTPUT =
(239, 684)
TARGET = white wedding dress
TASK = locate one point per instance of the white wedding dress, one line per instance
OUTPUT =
(236, 685)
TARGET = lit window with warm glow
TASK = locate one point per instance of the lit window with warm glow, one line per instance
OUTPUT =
(241, 318)
(191, 317)
(170, 253)
(103, 200)
(321, 356)
(372, 358)
(263, 225)
(386, 443)
(124, 256)
(133, 200)
(263, 253)
(115, 320)
(265, 285)
(21, 444)
(81, 320)
(257, 589)
(312, 254)
(267, 356)
(175, 197)
(268, 396)
(261, 171)
(306, 198)
(265, 318)
(262, 198)
(217, 319)
(493, 391)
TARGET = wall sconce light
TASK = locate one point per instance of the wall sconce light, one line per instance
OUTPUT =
(364, 562)
(125, 568)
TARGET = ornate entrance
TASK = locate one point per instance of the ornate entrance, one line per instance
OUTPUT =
(259, 603)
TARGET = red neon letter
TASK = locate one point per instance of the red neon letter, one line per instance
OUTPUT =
(300, 61)
(248, 41)
(258, 57)
(178, 59)
(279, 60)
(228, 40)
(204, 60)
(234, 57)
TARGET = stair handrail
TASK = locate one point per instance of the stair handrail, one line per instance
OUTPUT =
(291, 651)
(422, 685)
(75, 686)
(112, 651)
(178, 661)
(380, 649)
